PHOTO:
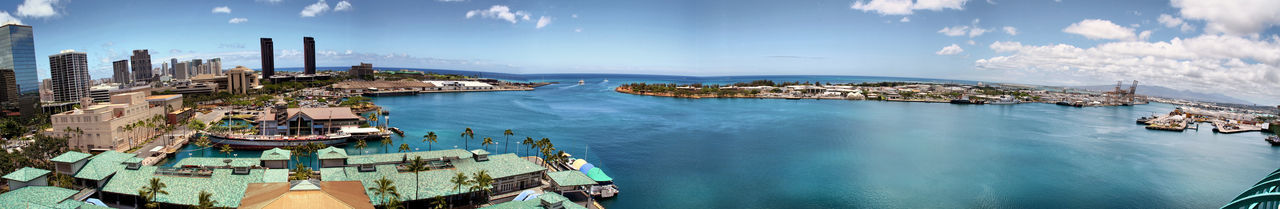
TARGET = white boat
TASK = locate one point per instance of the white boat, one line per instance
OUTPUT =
(1004, 100)
(580, 82)
(606, 80)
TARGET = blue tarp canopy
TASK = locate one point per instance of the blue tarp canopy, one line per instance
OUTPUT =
(586, 167)
(523, 195)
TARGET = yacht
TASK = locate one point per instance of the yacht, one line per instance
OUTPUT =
(580, 82)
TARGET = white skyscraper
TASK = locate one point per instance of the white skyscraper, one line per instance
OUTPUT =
(70, 75)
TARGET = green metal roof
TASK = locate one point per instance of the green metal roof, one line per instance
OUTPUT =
(70, 157)
(26, 174)
(359, 161)
(432, 183)
(35, 197)
(217, 161)
(426, 155)
(571, 178)
(332, 153)
(227, 188)
(275, 175)
(333, 174)
(275, 154)
(102, 165)
(537, 203)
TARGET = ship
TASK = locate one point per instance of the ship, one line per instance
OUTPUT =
(1004, 100)
(1273, 140)
(1146, 119)
(263, 142)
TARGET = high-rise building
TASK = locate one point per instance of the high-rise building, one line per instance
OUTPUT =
(141, 61)
(8, 85)
(268, 58)
(173, 63)
(164, 69)
(70, 73)
(309, 55)
(215, 65)
(18, 53)
(121, 72)
(180, 71)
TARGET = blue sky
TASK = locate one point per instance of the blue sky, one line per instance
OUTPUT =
(1197, 44)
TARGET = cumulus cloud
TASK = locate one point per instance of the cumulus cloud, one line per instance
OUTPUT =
(1100, 29)
(1173, 22)
(905, 19)
(314, 9)
(38, 8)
(1233, 17)
(342, 6)
(543, 21)
(238, 20)
(950, 50)
(1250, 66)
(905, 7)
(222, 9)
(5, 18)
(962, 30)
(500, 12)
(1011, 30)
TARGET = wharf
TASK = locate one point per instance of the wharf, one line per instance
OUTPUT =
(1231, 128)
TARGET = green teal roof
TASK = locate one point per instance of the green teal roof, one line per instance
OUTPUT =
(333, 174)
(571, 178)
(426, 155)
(133, 160)
(359, 161)
(102, 165)
(431, 183)
(227, 188)
(598, 175)
(275, 154)
(537, 203)
(332, 153)
(70, 157)
(217, 161)
(26, 174)
(275, 175)
(35, 197)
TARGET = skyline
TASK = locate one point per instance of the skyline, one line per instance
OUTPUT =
(1186, 45)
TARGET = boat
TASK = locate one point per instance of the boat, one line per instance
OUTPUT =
(604, 187)
(1146, 119)
(606, 80)
(1004, 100)
(1273, 140)
(961, 101)
(397, 131)
(580, 82)
(263, 142)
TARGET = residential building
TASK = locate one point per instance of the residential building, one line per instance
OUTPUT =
(268, 58)
(141, 61)
(240, 80)
(215, 66)
(121, 72)
(103, 92)
(102, 126)
(360, 71)
(18, 53)
(180, 71)
(70, 74)
(309, 55)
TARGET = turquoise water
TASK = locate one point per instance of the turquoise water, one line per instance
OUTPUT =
(753, 153)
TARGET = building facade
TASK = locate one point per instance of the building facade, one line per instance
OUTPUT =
(120, 72)
(18, 53)
(141, 61)
(70, 73)
(180, 70)
(362, 70)
(309, 53)
(103, 126)
(240, 80)
(268, 58)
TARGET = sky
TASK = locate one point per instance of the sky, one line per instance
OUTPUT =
(1214, 46)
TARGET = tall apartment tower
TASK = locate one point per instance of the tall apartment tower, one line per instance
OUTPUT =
(180, 70)
(18, 54)
(70, 73)
(215, 65)
(173, 63)
(309, 53)
(141, 61)
(268, 58)
(121, 72)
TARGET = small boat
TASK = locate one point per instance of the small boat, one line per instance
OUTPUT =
(1273, 140)
(1146, 119)
(961, 101)
(606, 80)
(397, 131)
(1004, 100)
(580, 82)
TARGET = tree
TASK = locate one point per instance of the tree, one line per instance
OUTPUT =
(62, 180)
(301, 173)
(384, 188)
(153, 189)
(361, 145)
(459, 181)
(508, 134)
(528, 141)
(439, 203)
(205, 201)
(386, 141)
(465, 141)
(204, 142)
(226, 149)
(483, 183)
(417, 165)
(430, 138)
(404, 147)
(487, 141)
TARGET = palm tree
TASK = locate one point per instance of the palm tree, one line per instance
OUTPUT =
(386, 141)
(430, 138)
(487, 141)
(152, 190)
(204, 142)
(508, 134)
(439, 203)
(466, 143)
(459, 181)
(528, 141)
(482, 182)
(226, 149)
(404, 147)
(361, 145)
(206, 200)
(301, 173)
(384, 188)
(416, 165)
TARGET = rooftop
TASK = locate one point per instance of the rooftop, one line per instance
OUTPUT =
(227, 189)
(26, 174)
(570, 178)
(325, 113)
(163, 97)
(70, 157)
(331, 153)
(275, 154)
(433, 183)
(104, 164)
(217, 161)
(35, 197)
(536, 203)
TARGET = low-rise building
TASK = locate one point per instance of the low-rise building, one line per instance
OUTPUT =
(459, 85)
(102, 127)
(240, 80)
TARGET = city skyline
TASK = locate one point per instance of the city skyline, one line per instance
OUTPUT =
(1186, 45)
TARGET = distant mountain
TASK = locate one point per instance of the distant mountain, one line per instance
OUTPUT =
(1159, 91)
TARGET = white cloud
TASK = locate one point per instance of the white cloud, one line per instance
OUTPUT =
(1100, 29)
(905, 7)
(222, 9)
(37, 8)
(543, 21)
(971, 42)
(905, 19)
(975, 32)
(954, 31)
(992, 2)
(950, 50)
(574, 15)
(1173, 22)
(238, 20)
(5, 18)
(577, 30)
(342, 6)
(1144, 35)
(500, 12)
(1233, 17)
(1011, 30)
(314, 9)
(1250, 66)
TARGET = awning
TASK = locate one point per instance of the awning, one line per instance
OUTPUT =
(577, 164)
(586, 167)
(523, 195)
(598, 175)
